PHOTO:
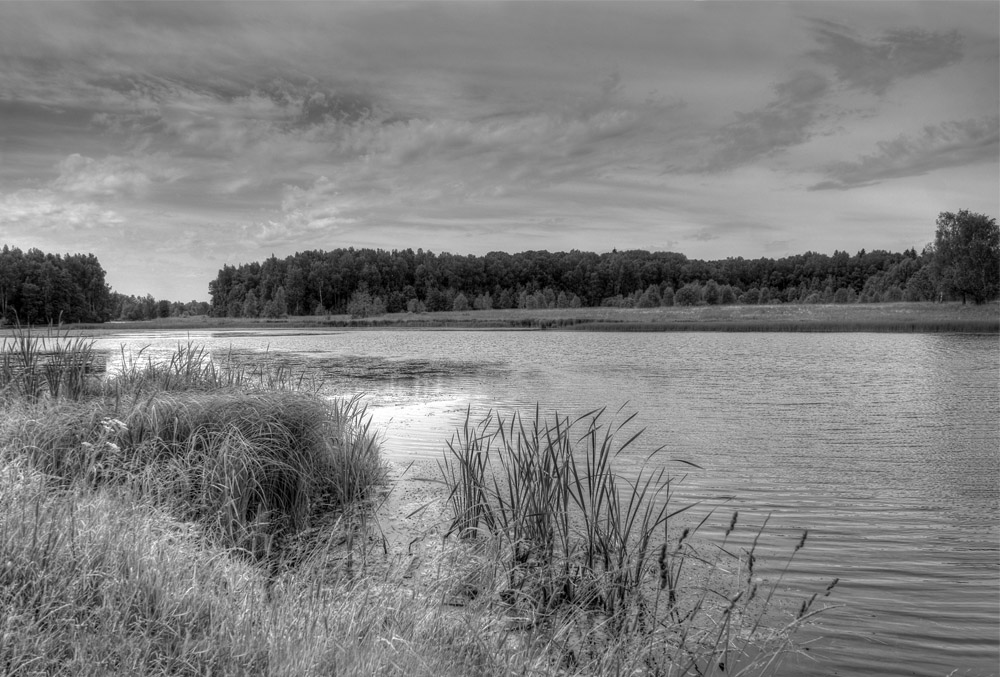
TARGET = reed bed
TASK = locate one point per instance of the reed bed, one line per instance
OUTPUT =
(192, 367)
(588, 559)
(887, 326)
(33, 364)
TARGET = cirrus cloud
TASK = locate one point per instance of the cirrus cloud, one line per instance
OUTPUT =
(874, 64)
(949, 144)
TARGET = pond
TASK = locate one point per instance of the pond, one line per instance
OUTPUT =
(884, 446)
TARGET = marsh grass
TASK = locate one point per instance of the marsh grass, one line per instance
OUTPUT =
(593, 562)
(52, 362)
(192, 367)
(98, 583)
(887, 325)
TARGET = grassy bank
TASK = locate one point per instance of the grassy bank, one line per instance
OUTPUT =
(876, 317)
(188, 517)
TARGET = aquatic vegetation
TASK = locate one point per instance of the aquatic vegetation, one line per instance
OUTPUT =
(34, 363)
(596, 562)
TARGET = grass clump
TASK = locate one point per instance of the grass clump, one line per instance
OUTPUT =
(596, 566)
(192, 367)
(34, 364)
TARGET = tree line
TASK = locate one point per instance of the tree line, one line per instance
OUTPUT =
(962, 263)
(365, 282)
(42, 288)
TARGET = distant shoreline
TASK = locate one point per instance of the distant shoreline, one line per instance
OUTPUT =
(876, 317)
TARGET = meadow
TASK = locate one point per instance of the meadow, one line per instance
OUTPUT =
(867, 317)
(196, 516)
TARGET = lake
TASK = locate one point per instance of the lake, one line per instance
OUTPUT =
(884, 446)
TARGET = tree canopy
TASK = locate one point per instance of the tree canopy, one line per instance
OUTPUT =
(36, 287)
(967, 255)
(365, 281)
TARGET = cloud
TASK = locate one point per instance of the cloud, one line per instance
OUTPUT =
(731, 229)
(113, 176)
(30, 210)
(950, 144)
(873, 65)
(784, 122)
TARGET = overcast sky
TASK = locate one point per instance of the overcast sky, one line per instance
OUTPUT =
(170, 138)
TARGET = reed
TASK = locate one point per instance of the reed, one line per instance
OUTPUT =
(52, 363)
(592, 561)
(192, 367)
(888, 326)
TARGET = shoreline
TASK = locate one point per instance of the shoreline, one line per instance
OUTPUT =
(902, 317)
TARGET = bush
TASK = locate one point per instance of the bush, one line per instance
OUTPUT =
(711, 293)
(750, 297)
(727, 296)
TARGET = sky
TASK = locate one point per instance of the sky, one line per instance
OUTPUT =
(172, 138)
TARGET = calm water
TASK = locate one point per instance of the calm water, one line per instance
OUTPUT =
(884, 446)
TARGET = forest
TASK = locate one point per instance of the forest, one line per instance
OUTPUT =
(962, 263)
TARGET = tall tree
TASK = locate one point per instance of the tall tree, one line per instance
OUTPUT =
(967, 255)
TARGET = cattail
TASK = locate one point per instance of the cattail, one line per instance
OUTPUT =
(805, 606)
(663, 566)
(732, 522)
(684, 535)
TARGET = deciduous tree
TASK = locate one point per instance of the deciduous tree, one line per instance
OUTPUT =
(967, 255)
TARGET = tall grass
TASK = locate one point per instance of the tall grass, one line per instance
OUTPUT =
(246, 451)
(192, 367)
(33, 364)
(888, 325)
(589, 559)
(97, 583)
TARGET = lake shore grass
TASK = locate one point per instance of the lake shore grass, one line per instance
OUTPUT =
(875, 317)
(184, 517)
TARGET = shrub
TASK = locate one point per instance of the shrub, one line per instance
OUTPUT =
(711, 293)
(727, 296)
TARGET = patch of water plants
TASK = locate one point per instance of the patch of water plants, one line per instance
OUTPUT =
(603, 566)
